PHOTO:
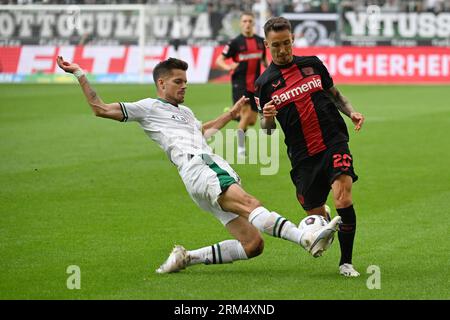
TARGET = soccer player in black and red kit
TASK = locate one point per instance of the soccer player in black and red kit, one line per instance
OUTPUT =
(300, 93)
(247, 52)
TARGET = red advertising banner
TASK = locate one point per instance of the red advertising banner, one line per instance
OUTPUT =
(352, 65)
(384, 64)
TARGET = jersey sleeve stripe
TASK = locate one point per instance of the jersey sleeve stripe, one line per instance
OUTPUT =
(124, 112)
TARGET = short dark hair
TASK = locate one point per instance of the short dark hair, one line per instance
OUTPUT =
(165, 67)
(247, 13)
(277, 24)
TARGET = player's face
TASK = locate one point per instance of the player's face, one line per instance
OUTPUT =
(174, 86)
(280, 46)
(247, 23)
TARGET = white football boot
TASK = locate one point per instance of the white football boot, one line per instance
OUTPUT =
(177, 260)
(328, 212)
(320, 240)
(347, 270)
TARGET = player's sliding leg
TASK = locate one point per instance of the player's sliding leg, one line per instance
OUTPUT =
(236, 200)
(321, 238)
(275, 225)
(223, 252)
(333, 224)
(343, 201)
(177, 260)
(248, 244)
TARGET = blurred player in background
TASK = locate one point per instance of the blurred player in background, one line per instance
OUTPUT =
(247, 52)
(300, 93)
(210, 181)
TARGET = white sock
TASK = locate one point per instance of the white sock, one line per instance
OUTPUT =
(274, 224)
(223, 252)
(241, 139)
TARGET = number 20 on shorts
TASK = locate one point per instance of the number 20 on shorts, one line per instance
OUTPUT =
(342, 160)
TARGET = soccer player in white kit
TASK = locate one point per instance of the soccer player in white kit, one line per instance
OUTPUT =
(209, 179)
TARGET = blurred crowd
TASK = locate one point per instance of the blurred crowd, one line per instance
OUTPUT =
(275, 7)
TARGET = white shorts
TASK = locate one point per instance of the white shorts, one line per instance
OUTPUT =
(205, 177)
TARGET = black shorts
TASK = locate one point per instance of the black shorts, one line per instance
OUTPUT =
(239, 91)
(314, 176)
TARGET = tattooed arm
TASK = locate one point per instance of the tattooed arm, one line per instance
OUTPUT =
(101, 109)
(344, 105)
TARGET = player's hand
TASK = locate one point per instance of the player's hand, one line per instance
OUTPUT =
(233, 66)
(236, 109)
(269, 110)
(357, 119)
(67, 66)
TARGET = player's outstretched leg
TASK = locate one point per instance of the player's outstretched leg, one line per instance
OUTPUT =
(177, 260)
(276, 225)
(247, 244)
(316, 240)
(322, 238)
(236, 200)
(223, 252)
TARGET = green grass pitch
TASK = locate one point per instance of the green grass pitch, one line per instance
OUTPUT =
(78, 190)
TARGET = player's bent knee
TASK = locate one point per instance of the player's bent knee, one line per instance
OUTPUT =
(343, 202)
(342, 196)
(252, 203)
(254, 247)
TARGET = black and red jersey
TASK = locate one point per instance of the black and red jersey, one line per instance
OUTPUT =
(307, 114)
(249, 52)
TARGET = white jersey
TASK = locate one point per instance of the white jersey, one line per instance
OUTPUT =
(175, 129)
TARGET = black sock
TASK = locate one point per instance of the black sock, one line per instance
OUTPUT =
(346, 233)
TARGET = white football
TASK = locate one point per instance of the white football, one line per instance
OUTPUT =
(312, 223)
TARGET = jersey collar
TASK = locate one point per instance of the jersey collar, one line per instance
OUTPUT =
(287, 65)
(165, 101)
